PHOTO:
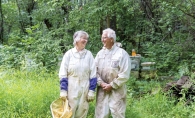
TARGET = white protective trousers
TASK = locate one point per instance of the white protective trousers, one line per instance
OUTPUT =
(113, 67)
(79, 68)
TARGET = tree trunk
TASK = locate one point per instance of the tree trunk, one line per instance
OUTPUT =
(149, 10)
(1, 23)
(20, 18)
(29, 9)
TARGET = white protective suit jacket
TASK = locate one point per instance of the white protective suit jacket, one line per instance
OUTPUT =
(78, 68)
(113, 67)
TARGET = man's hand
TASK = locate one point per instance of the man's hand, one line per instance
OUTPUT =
(103, 85)
(106, 87)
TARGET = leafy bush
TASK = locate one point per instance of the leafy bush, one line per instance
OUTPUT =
(31, 54)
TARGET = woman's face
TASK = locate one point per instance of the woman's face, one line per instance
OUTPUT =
(82, 42)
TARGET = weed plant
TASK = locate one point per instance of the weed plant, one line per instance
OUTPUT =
(28, 94)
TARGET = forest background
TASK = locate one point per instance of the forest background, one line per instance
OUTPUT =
(34, 34)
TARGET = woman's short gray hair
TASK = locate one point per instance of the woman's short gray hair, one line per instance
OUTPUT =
(110, 33)
(77, 36)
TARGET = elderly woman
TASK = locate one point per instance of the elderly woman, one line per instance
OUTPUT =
(78, 76)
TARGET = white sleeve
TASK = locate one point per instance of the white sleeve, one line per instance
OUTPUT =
(124, 72)
(92, 67)
(99, 80)
(63, 72)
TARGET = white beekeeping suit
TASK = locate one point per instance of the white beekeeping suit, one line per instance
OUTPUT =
(113, 67)
(78, 78)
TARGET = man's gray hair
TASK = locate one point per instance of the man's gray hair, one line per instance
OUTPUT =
(110, 33)
(77, 36)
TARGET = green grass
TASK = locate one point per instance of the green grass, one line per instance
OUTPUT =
(26, 94)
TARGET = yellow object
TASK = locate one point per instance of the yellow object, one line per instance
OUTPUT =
(133, 52)
(60, 109)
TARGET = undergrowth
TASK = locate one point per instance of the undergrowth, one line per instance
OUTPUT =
(28, 94)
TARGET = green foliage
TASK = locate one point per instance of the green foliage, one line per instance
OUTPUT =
(27, 94)
(38, 32)
(38, 53)
(161, 31)
(11, 57)
(30, 53)
(170, 58)
(159, 106)
(30, 93)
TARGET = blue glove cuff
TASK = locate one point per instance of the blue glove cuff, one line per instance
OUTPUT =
(64, 84)
(92, 84)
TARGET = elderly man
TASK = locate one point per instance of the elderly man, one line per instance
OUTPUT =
(113, 71)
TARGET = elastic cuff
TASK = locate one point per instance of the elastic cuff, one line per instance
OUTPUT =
(92, 84)
(91, 93)
(115, 86)
(63, 93)
(99, 83)
(64, 84)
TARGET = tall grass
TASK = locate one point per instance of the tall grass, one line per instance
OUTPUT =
(25, 94)
(152, 102)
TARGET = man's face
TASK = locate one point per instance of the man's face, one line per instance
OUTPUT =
(107, 42)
